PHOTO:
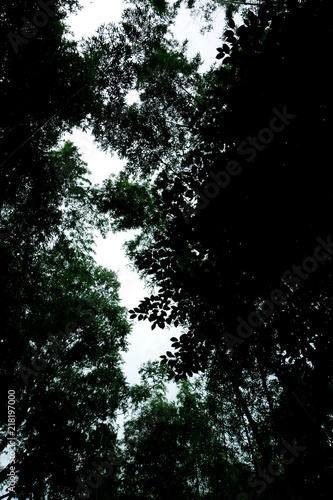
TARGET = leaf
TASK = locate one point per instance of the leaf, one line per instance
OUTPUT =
(241, 30)
(229, 34)
(252, 17)
(231, 23)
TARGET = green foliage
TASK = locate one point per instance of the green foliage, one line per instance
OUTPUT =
(211, 264)
(62, 328)
(160, 5)
(177, 448)
(213, 260)
(128, 204)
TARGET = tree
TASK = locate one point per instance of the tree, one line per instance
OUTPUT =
(175, 447)
(66, 371)
(223, 255)
(220, 172)
(62, 326)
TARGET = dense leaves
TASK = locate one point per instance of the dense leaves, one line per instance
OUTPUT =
(236, 261)
(227, 182)
(62, 329)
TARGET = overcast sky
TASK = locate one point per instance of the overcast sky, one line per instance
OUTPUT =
(145, 344)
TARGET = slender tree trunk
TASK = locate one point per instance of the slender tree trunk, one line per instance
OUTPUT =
(250, 443)
(226, 452)
(252, 423)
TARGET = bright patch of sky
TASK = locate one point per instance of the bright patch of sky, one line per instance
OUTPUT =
(145, 344)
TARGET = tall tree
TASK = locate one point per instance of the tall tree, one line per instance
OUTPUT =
(225, 248)
(62, 326)
(176, 448)
(65, 364)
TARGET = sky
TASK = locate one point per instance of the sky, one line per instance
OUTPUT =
(145, 344)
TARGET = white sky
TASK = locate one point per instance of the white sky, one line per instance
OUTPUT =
(145, 344)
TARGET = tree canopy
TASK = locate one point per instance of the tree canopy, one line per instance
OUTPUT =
(227, 179)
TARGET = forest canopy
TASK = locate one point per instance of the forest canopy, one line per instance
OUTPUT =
(227, 182)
